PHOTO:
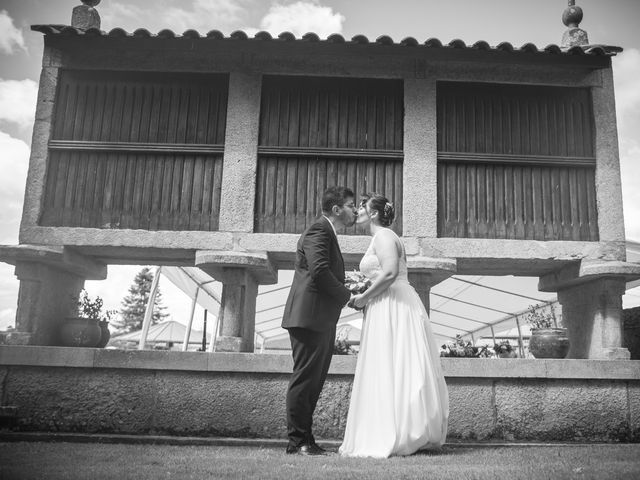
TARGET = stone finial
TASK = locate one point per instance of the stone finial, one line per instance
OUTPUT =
(85, 16)
(571, 17)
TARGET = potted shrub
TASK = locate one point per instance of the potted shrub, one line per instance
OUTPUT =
(90, 328)
(547, 339)
(342, 345)
(504, 350)
(460, 348)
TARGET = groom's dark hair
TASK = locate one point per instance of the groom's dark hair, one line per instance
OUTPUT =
(335, 196)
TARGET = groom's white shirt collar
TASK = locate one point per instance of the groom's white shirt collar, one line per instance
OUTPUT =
(331, 223)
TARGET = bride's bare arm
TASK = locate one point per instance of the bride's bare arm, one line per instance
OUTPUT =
(386, 248)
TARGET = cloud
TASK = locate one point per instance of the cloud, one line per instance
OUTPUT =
(10, 36)
(626, 73)
(7, 316)
(201, 15)
(18, 101)
(227, 16)
(207, 15)
(302, 17)
(14, 161)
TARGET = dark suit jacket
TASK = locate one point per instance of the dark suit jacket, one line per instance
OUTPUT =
(317, 293)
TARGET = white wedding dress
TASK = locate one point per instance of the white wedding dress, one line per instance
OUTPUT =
(399, 401)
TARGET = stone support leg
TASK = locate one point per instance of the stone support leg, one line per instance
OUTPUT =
(46, 296)
(240, 274)
(592, 314)
(237, 311)
(423, 282)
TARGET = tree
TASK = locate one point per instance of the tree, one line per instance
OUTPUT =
(135, 303)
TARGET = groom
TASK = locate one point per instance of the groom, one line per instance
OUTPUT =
(316, 298)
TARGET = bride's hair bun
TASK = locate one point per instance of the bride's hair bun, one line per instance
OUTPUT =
(380, 203)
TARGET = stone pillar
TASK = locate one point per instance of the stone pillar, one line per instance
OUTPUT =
(46, 296)
(237, 311)
(34, 190)
(422, 282)
(592, 314)
(240, 274)
(420, 189)
(608, 178)
(425, 273)
(240, 153)
(51, 279)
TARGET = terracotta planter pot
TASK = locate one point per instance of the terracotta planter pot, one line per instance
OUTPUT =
(549, 342)
(79, 332)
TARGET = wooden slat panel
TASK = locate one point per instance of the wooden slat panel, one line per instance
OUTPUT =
(120, 190)
(316, 132)
(289, 190)
(207, 194)
(141, 106)
(504, 201)
(529, 158)
(195, 209)
(128, 193)
(69, 190)
(269, 208)
(331, 113)
(515, 119)
(136, 150)
(108, 188)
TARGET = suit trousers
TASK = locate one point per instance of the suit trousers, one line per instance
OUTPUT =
(312, 352)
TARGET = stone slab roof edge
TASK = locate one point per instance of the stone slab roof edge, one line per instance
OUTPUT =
(384, 40)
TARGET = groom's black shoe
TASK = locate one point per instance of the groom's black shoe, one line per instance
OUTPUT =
(306, 449)
(322, 450)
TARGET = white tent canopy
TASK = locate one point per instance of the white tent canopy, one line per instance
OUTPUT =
(467, 305)
(199, 286)
(472, 306)
(193, 281)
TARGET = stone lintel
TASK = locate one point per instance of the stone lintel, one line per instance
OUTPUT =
(223, 265)
(59, 257)
(431, 270)
(586, 271)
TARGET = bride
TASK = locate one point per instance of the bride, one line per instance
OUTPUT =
(399, 402)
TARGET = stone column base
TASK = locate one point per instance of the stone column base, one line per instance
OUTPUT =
(616, 354)
(226, 343)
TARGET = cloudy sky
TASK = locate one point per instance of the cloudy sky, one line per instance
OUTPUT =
(539, 21)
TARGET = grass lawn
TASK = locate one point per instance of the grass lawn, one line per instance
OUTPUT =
(87, 461)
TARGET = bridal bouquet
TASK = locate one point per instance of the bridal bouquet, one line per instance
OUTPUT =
(356, 282)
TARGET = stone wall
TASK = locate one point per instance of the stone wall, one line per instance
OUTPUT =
(242, 395)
